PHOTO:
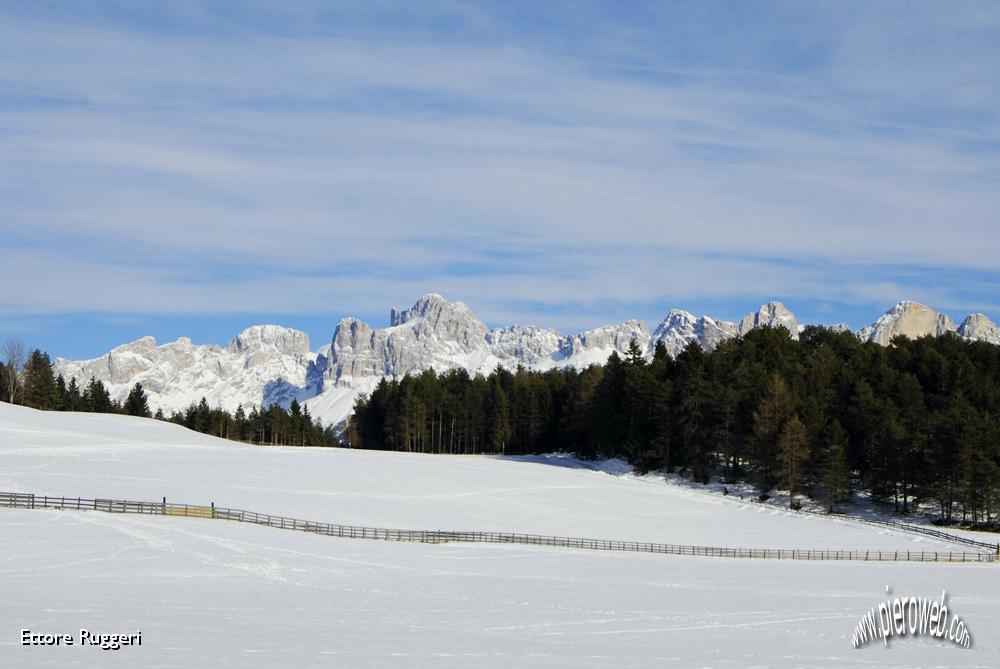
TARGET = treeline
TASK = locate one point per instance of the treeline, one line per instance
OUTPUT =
(272, 425)
(823, 416)
(29, 380)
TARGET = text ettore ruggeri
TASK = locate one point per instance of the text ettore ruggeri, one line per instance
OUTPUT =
(84, 638)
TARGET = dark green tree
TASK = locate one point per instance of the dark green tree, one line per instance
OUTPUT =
(836, 479)
(40, 390)
(774, 410)
(793, 450)
(136, 404)
(96, 398)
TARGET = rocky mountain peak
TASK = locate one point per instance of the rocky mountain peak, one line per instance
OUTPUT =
(677, 318)
(141, 345)
(772, 314)
(978, 327)
(524, 344)
(909, 319)
(433, 307)
(680, 328)
(270, 339)
(610, 337)
(432, 333)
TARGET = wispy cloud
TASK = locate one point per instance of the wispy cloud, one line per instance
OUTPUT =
(191, 160)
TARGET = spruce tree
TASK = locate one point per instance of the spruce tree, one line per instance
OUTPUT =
(62, 395)
(634, 355)
(96, 398)
(203, 417)
(40, 390)
(136, 403)
(240, 424)
(74, 399)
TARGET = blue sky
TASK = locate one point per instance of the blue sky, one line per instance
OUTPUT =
(192, 168)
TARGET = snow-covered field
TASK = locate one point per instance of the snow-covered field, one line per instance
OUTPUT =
(210, 592)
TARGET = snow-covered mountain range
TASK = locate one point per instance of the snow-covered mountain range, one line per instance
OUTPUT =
(268, 364)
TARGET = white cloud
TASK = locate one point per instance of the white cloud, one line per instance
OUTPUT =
(197, 173)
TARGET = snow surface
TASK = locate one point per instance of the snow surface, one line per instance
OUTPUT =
(205, 592)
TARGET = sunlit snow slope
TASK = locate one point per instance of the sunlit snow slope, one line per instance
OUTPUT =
(212, 593)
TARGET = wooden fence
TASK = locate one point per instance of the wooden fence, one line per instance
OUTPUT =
(31, 501)
(916, 529)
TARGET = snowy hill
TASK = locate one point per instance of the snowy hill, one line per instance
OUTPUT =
(212, 592)
(268, 364)
(79, 454)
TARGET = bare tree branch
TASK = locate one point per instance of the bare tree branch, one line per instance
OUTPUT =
(14, 356)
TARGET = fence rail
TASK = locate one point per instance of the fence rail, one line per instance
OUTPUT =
(32, 501)
(917, 529)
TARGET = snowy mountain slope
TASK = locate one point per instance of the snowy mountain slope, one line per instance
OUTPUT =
(270, 364)
(208, 592)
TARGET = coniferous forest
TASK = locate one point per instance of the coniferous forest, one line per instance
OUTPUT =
(913, 423)
(824, 416)
(34, 385)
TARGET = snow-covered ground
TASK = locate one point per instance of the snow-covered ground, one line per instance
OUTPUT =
(860, 505)
(210, 592)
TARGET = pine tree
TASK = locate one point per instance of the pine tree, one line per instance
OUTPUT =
(40, 390)
(606, 421)
(836, 475)
(203, 417)
(499, 418)
(136, 403)
(74, 399)
(634, 355)
(96, 398)
(240, 424)
(62, 394)
(793, 449)
(773, 411)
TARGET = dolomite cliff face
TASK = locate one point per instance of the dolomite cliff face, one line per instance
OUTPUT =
(441, 335)
(978, 327)
(773, 314)
(909, 319)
